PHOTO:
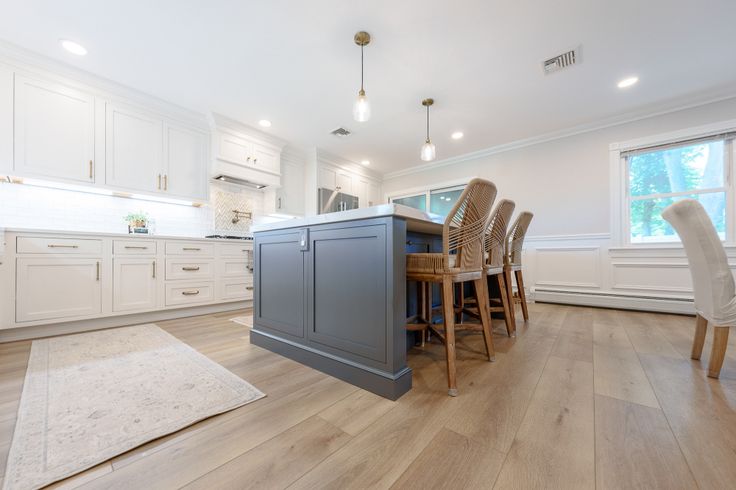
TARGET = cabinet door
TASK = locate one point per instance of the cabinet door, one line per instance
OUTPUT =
(345, 183)
(50, 288)
(134, 150)
(54, 131)
(234, 149)
(186, 163)
(374, 194)
(290, 197)
(266, 159)
(361, 190)
(134, 284)
(327, 178)
(6, 120)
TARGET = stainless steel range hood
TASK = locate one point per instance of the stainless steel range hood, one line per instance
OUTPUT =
(235, 180)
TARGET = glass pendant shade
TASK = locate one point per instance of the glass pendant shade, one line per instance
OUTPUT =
(361, 108)
(428, 151)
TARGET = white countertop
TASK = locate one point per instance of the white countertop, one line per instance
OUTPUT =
(97, 234)
(417, 220)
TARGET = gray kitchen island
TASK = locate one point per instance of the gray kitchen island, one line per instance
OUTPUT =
(330, 291)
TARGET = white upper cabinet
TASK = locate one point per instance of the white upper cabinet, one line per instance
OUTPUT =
(249, 153)
(327, 178)
(134, 156)
(186, 162)
(345, 182)
(374, 194)
(54, 131)
(290, 197)
(235, 149)
(6, 120)
(266, 159)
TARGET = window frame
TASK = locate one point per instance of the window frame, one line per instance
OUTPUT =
(427, 191)
(620, 187)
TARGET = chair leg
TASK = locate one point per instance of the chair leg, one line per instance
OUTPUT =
(510, 330)
(481, 293)
(522, 295)
(720, 342)
(701, 326)
(448, 310)
(460, 301)
(510, 296)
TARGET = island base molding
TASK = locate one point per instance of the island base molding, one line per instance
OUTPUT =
(382, 384)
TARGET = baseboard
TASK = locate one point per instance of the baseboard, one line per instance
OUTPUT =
(52, 329)
(618, 301)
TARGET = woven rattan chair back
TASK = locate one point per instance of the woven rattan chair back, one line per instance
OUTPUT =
(495, 239)
(466, 224)
(515, 239)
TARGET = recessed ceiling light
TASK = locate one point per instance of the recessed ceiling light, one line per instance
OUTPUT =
(72, 47)
(628, 82)
(365, 162)
(264, 123)
(457, 135)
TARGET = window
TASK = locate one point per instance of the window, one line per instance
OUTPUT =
(661, 175)
(439, 200)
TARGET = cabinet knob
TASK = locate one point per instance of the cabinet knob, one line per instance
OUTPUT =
(255, 160)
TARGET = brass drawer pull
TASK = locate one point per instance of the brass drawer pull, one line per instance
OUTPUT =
(249, 288)
(136, 247)
(154, 269)
(51, 245)
(98, 271)
(191, 249)
(190, 293)
(166, 182)
(190, 268)
(159, 181)
(91, 171)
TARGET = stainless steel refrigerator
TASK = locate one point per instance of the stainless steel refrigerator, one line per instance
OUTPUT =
(330, 201)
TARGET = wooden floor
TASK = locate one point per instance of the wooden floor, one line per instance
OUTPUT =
(582, 398)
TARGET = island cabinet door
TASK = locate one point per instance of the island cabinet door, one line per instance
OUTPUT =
(279, 284)
(347, 297)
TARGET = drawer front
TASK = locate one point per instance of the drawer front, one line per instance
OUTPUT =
(234, 268)
(134, 247)
(190, 248)
(48, 245)
(236, 289)
(193, 293)
(235, 249)
(184, 268)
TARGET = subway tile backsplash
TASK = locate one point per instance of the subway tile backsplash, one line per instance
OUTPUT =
(25, 206)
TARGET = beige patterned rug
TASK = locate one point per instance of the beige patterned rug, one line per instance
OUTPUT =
(92, 396)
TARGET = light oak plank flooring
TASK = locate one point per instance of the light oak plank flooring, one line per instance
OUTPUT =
(580, 398)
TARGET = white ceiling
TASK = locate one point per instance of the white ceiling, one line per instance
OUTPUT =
(294, 62)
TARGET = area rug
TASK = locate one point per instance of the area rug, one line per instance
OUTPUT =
(243, 320)
(92, 396)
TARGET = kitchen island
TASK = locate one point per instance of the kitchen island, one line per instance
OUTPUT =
(330, 291)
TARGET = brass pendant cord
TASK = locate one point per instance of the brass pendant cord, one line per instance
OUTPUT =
(427, 123)
(361, 70)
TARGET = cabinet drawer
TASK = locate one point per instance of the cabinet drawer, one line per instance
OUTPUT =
(236, 289)
(234, 268)
(190, 248)
(48, 245)
(235, 249)
(177, 269)
(196, 292)
(134, 247)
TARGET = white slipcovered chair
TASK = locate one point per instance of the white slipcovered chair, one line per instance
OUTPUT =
(713, 284)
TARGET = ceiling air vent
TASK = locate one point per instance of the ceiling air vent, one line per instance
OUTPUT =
(341, 132)
(561, 61)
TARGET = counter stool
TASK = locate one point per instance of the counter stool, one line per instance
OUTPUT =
(514, 245)
(461, 260)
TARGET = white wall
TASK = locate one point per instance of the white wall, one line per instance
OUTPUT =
(565, 182)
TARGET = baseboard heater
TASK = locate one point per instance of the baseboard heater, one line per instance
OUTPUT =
(615, 300)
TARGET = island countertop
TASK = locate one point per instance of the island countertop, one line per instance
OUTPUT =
(417, 220)
(331, 291)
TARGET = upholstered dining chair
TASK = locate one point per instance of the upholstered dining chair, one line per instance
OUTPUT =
(514, 246)
(713, 284)
(461, 260)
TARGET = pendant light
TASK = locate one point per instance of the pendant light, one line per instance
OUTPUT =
(428, 152)
(361, 108)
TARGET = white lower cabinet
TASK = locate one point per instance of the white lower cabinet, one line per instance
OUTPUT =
(135, 282)
(57, 288)
(181, 293)
(234, 289)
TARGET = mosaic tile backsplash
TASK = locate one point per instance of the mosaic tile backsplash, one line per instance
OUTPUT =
(25, 206)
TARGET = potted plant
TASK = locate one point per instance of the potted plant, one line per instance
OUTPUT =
(137, 222)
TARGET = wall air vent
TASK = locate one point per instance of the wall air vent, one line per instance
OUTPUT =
(341, 132)
(561, 61)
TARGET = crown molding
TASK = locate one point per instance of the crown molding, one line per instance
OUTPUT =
(696, 101)
(228, 124)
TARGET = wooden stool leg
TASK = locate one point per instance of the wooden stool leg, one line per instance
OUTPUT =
(448, 310)
(522, 294)
(510, 296)
(720, 342)
(701, 327)
(460, 301)
(481, 293)
(505, 303)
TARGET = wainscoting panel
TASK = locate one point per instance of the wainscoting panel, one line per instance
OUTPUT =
(572, 267)
(652, 277)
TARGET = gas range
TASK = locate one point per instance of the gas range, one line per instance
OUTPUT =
(230, 237)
